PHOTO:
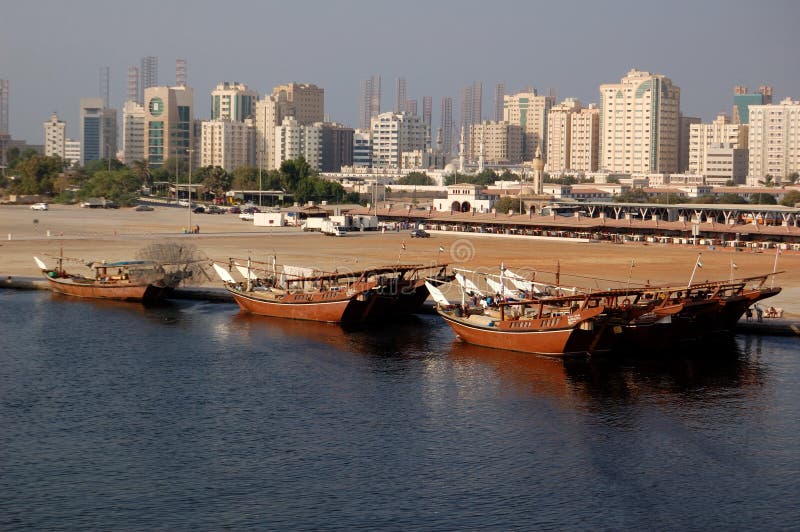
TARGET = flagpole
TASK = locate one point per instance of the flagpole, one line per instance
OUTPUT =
(775, 267)
(696, 264)
(630, 274)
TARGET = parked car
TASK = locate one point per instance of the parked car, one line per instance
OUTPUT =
(213, 209)
(420, 233)
(39, 207)
(141, 208)
(183, 203)
(247, 217)
(199, 209)
(234, 210)
(251, 210)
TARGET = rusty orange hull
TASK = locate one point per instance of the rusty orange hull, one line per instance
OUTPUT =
(327, 307)
(118, 290)
(559, 340)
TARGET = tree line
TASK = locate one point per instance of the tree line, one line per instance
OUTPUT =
(32, 173)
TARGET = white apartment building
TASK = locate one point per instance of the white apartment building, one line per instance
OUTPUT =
(394, 133)
(227, 144)
(132, 132)
(304, 102)
(724, 162)
(773, 140)
(496, 142)
(529, 110)
(72, 151)
(233, 101)
(559, 135)
(585, 139)
(293, 140)
(705, 136)
(639, 128)
(55, 136)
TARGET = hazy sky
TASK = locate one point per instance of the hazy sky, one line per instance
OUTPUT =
(51, 51)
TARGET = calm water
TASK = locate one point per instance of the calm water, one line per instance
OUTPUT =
(116, 416)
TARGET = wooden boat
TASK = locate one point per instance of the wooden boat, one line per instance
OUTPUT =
(333, 303)
(133, 280)
(396, 289)
(553, 326)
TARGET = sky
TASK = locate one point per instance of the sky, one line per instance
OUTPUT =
(51, 51)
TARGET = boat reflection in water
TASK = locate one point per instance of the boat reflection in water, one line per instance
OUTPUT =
(725, 365)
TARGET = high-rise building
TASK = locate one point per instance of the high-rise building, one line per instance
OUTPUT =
(411, 107)
(773, 139)
(720, 132)
(337, 147)
(98, 127)
(226, 143)
(55, 137)
(362, 148)
(559, 135)
(400, 103)
(133, 125)
(585, 139)
(304, 102)
(181, 76)
(499, 100)
(72, 151)
(393, 134)
(471, 109)
(105, 82)
(4, 106)
(133, 85)
(370, 101)
(446, 126)
(529, 110)
(169, 118)
(148, 75)
(233, 101)
(496, 142)
(684, 140)
(293, 140)
(427, 111)
(742, 100)
(639, 124)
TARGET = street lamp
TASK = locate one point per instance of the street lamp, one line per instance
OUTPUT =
(190, 151)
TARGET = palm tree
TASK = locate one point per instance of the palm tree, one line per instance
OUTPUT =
(141, 169)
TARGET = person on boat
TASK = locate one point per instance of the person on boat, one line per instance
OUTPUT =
(748, 314)
(759, 313)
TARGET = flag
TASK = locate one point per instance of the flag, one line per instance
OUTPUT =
(403, 245)
(699, 263)
(441, 249)
(734, 266)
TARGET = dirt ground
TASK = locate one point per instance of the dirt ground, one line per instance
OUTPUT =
(117, 234)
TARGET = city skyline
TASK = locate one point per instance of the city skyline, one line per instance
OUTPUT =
(712, 47)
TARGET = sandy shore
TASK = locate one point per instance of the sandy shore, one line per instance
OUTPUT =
(118, 234)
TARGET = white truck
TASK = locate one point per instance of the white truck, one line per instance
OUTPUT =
(332, 228)
(313, 224)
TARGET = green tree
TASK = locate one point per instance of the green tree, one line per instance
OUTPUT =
(415, 178)
(763, 199)
(141, 169)
(705, 199)
(791, 198)
(214, 178)
(793, 177)
(507, 203)
(121, 186)
(634, 195)
(101, 165)
(508, 175)
(37, 173)
(732, 199)
(768, 181)
(294, 170)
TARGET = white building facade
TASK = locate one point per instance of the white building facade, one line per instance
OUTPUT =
(585, 139)
(394, 133)
(559, 135)
(227, 144)
(132, 132)
(719, 132)
(639, 128)
(55, 136)
(293, 140)
(774, 141)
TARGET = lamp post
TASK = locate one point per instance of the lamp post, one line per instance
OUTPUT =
(190, 151)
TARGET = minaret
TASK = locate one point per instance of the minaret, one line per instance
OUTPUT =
(482, 158)
(461, 153)
(538, 172)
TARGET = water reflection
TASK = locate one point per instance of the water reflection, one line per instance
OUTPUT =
(724, 365)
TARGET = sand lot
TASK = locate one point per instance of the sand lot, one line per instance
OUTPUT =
(116, 234)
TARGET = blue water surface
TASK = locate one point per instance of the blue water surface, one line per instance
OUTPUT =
(194, 416)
